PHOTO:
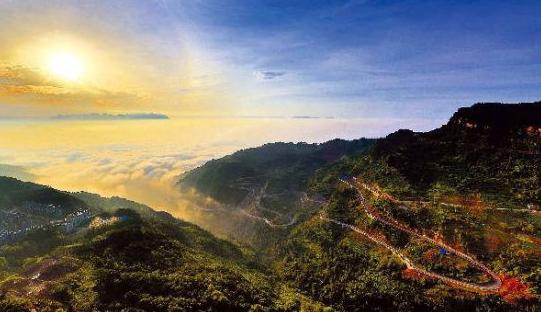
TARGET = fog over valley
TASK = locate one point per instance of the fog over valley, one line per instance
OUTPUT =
(142, 160)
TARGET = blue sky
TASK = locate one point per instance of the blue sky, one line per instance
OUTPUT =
(384, 65)
(388, 57)
(374, 59)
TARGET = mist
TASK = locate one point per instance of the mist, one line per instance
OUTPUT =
(143, 160)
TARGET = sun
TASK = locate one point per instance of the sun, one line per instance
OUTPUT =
(65, 66)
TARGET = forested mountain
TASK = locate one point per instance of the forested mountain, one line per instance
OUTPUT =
(444, 220)
(281, 167)
(471, 186)
(123, 256)
(491, 149)
(27, 206)
(266, 184)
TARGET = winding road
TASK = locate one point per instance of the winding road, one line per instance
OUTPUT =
(256, 202)
(269, 222)
(378, 193)
(492, 286)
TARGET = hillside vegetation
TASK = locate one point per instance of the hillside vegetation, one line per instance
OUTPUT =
(473, 183)
(283, 167)
(446, 220)
(125, 257)
(490, 149)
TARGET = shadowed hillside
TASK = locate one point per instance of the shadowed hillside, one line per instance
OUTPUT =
(283, 166)
(492, 149)
(124, 256)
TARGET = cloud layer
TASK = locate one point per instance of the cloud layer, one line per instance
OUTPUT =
(30, 87)
(142, 159)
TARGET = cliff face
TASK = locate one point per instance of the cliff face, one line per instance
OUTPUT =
(500, 119)
(513, 127)
(489, 147)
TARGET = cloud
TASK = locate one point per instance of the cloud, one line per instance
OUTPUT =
(268, 75)
(29, 87)
(19, 75)
(142, 177)
(18, 80)
(17, 172)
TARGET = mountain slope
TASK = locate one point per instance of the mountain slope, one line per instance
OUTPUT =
(282, 167)
(28, 206)
(260, 190)
(491, 149)
(473, 184)
(119, 259)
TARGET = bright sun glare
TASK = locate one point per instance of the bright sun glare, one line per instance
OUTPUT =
(65, 66)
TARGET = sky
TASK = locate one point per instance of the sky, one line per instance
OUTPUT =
(238, 74)
(413, 60)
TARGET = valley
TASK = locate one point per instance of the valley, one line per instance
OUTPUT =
(444, 220)
(270, 156)
(337, 226)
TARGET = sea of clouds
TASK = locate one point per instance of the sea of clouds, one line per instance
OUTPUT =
(143, 161)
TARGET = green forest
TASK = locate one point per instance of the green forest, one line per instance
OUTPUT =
(455, 197)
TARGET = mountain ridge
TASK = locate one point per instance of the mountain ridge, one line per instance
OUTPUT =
(473, 183)
(125, 256)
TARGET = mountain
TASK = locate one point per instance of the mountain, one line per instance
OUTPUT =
(267, 183)
(123, 256)
(102, 116)
(490, 149)
(429, 220)
(27, 206)
(442, 220)
(282, 167)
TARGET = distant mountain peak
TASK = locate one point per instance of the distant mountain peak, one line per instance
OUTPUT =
(106, 116)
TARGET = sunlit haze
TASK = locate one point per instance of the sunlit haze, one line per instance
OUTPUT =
(237, 75)
(270, 155)
(142, 159)
(65, 66)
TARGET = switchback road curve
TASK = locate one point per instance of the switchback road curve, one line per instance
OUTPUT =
(491, 287)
